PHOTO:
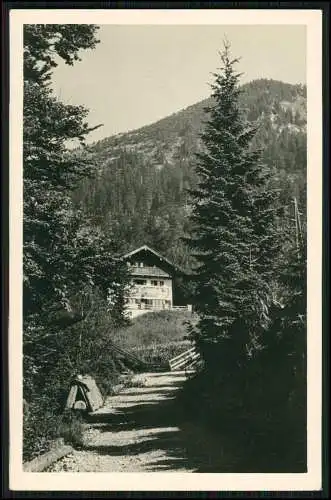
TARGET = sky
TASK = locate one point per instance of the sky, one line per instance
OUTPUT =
(139, 74)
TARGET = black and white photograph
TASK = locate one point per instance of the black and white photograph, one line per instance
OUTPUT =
(165, 245)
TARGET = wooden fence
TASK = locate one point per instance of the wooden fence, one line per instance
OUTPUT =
(185, 361)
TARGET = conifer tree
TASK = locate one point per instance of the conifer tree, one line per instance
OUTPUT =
(234, 238)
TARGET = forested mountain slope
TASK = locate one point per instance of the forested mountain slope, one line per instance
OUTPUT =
(140, 191)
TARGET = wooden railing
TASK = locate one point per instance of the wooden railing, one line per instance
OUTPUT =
(186, 360)
(148, 271)
(165, 307)
(148, 307)
(152, 292)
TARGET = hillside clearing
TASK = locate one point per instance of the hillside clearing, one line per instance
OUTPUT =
(153, 328)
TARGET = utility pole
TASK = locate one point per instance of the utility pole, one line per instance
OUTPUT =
(298, 232)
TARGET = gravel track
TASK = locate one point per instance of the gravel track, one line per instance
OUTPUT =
(136, 431)
(142, 430)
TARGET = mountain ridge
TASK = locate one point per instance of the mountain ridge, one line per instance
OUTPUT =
(140, 193)
(186, 108)
(176, 136)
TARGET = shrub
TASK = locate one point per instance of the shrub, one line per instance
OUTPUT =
(71, 428)
(260, 406)
(159, 355)
(40, 427)
(82, 348)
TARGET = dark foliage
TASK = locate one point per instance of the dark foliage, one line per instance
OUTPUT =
(250, 296)
(69, 265)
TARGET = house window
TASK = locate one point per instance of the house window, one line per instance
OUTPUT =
(139, 282)
(147, 303)
(161, 283)
(141, 264)
(154, 282)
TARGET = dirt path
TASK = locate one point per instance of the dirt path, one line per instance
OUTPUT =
(142, 430)
(137, 431)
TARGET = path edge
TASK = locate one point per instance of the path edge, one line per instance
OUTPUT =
(45, 460)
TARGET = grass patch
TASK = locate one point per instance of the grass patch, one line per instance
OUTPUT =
(156, 337)
(154, 328)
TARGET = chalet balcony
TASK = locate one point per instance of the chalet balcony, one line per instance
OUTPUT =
(134, 310)
(148, 271)
(167, 307)
(150, 307)
(142, 291)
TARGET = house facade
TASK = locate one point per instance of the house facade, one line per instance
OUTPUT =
(152, 281)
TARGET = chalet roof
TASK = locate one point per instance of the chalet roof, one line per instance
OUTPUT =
(154, 252)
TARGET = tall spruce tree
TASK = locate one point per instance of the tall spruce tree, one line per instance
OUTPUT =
(234, 238)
